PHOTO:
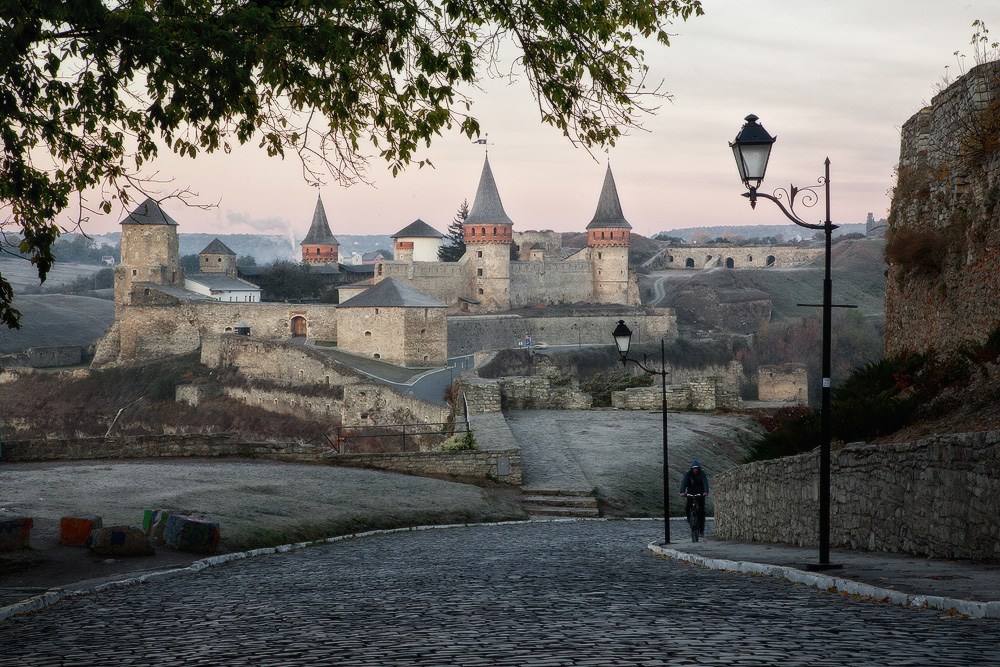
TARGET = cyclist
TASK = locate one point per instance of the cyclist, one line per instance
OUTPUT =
(695, 482)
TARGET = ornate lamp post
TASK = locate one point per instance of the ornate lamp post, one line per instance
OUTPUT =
(752, 149)
(623, 340)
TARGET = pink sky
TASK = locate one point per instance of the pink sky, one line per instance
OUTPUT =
(828, 79)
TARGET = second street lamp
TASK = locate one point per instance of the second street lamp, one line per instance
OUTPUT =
(752, 149)
(623, 340)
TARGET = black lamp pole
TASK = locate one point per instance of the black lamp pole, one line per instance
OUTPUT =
(623, 339)
(752, 149)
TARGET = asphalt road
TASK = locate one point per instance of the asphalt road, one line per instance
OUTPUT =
(536, 594)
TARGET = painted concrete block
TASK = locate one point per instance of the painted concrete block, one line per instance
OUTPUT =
(191, 533)
(155, 521)
(76, 529)
(14, 533)
(120, 541)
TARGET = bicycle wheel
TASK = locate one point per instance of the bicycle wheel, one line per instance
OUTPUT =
(693, 520)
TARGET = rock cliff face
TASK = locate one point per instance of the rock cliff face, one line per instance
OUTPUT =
(943, 242)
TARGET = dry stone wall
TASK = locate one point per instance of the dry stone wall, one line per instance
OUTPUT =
(704, 393)
(938, 497)
(943, 239)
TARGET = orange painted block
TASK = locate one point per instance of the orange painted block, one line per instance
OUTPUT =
(76, 529)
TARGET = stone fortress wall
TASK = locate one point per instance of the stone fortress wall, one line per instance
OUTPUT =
(946, 201)
(736, 257)
(159, 325)
(472, 333)
(936, 497)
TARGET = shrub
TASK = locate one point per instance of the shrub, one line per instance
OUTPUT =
(460, 442)
(797, 433)
(919, 250)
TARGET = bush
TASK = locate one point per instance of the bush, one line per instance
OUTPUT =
(919, 250)
(796, 433)
(460, 442)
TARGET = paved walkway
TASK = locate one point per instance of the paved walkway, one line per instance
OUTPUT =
(526, 595)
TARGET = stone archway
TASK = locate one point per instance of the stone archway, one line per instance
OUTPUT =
(298, 327)
(730, 263)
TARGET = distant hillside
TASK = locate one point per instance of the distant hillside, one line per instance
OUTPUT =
(266, 248)
(57, 319)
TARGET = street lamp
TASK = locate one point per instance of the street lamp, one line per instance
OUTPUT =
(752, 148)
(623, 340)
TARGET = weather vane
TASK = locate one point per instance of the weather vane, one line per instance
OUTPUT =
(485, 142)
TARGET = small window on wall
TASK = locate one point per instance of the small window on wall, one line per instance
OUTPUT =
(376, 356)
(479, 253)
(479, 272)
(480, 290)
(368, 334)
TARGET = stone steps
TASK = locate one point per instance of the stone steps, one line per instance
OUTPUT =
(560, 503)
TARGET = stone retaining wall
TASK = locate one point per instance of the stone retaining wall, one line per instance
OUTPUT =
(519, 393)
(469, 333)
(537, 393)
(936, 497)
(502, 466)
(705, 393)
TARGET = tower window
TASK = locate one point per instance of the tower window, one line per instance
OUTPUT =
(479, 272)
(479, 253)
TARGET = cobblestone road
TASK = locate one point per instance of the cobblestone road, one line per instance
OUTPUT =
(534, 595)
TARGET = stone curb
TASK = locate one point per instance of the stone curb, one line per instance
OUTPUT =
(837, 584)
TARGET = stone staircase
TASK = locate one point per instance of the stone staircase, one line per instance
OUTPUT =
(550, 502)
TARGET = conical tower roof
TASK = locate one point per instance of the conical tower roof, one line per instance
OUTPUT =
(148, 213)
(319, 230)
(216, 247)
(487, 209)
(609, 209)
(418, 229)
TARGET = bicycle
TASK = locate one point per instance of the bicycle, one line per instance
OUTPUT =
(694, 515)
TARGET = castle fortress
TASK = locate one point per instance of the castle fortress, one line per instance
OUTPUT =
(503, 269)
(160, 312)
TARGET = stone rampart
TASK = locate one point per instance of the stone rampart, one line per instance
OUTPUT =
(736, 257)
(162, 325)
(936, 497)
(943, 287)
(551, 283)
(44, 357)
(468, 333)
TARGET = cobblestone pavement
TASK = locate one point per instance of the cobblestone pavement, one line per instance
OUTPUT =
(530, 595)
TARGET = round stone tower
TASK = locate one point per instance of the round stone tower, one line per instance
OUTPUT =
(488, 233)
(149, 251)
(608, 241)
(320, 246)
